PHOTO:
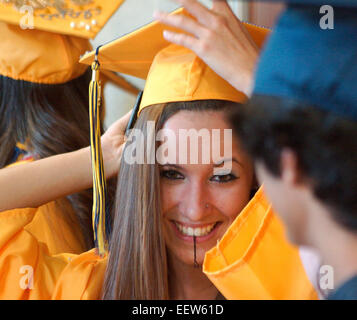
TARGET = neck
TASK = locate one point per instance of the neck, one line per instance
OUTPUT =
(336, 245)
(189, 283)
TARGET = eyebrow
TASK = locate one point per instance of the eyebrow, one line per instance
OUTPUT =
(227, 160)
(171, 165)
(215, 165)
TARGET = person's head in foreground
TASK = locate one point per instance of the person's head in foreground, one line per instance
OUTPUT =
(165, 200)
(301, 131)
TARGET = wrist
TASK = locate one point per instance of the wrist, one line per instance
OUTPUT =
(244, 80)
(243, 83)
(110, 160)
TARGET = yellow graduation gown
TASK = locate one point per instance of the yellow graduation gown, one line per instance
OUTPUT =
(55, 224)
(252, 261)
(28, 271)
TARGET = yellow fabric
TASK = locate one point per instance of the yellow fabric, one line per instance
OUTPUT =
(173, 73)
(40, 56)
(62, 276)
(254, 260)
(49, 53)
(51, 227)
(83, 278)
(55, 225)
(71, 17)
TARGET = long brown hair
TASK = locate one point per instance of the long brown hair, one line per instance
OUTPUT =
(137, 265)
(49, 120)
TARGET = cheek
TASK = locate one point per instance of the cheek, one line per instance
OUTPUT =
(277, 195)
(231, 201)
(170, 195)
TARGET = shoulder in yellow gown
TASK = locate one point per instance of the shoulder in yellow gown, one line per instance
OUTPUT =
(29, 271)
(55, 224)
(252, 261)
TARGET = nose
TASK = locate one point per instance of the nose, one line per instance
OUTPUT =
(195, 203)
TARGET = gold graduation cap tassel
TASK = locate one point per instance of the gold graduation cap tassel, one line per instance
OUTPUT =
(99, 183)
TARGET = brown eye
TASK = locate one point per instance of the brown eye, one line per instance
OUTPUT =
(223, 178)
(171, 174)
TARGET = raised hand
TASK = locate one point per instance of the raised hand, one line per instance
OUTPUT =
(219, 38)
(113, 141)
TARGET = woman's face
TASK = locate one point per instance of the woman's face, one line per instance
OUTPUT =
(195, 199)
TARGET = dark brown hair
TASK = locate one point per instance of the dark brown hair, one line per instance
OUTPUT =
(49, 120)
(325, 145)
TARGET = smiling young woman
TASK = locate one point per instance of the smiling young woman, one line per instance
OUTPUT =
(152, 239)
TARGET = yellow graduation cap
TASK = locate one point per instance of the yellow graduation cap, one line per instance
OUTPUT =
(81, 18)
(42, 40)
(172, 73)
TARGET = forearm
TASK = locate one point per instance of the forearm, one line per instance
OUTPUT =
(33, 184)
(38, 182)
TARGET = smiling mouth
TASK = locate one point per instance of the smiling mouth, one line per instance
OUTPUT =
(197, 232)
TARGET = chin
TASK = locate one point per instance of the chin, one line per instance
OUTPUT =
(187, 257)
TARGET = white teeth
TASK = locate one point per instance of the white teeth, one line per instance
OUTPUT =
(198, 232)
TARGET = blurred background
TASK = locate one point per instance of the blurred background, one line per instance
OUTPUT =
(136, 13)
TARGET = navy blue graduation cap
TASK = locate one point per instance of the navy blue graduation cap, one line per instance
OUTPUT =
(310, 64)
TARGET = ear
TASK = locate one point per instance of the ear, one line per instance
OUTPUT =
(289, 166)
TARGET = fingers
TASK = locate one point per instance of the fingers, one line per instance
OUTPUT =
(123, 121)
(184, 23)
(180, 21)
(205, 16)
(222, 8)
(220, 17)
(220, 5)
(182, 40)
(119, 126)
